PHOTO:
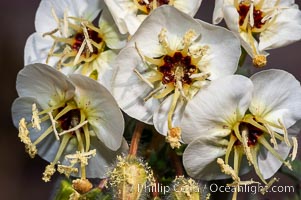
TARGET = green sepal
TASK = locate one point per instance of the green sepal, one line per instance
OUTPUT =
(64, 191)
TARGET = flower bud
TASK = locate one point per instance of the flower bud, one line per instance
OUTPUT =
(185, 189)
(130, 177)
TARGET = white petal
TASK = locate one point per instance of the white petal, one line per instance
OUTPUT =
(214, 110)
(218, 12)
(120, 10)
(268, 164)
(45, 22)
(103, 66)
(167, 17)
(224, 50)
(44, 83)
(112, 37)
(160, 115)
(22, 108)
(200, 158)
(128, 90)
(105, 158)
(285, 30)
(277, 95)
(190, 7)
(102, 111)
(37, 49)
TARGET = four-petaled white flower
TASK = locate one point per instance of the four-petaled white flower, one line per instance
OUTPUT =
(58, 116)
(164, 65)
(240, 119)
(67, 39)
(129, 14)
(261, 24)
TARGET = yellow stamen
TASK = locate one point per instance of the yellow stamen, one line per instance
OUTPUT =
(295, 148)
(229, 148)
(286, 140)
(255, 163)
(87, 38)
(270, 183)
(143, 79)
(81, 157)
(49, 171)
(53, 122)
(79, 53)
(73, 128)
(173, 137)
(165, 91)
(247, 149)
(35, 120)
(67, 170)
(263, 141)
(172, 107)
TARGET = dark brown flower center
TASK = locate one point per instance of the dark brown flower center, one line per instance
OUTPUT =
(257, 15)
(177, 68)
(69, 120)
(253, 133)
(80, 37)
(149, 6)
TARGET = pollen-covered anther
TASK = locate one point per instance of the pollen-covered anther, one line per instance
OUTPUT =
(49, 171)
(81, 157)
(186, 188)
(259, 61)
(198, 52)
(67, 170)
(82, 185)
(188, 37)
(227, 169)
(23, 132)
(173, 137)
(30, 148)
(35, 120)
(163, 38)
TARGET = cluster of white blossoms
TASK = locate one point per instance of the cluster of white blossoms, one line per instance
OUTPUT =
(72, 122)
(260, 24)
(160, 66)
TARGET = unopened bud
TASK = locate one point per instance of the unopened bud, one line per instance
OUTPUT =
(82, 185)
(185, 189)
(130, 177)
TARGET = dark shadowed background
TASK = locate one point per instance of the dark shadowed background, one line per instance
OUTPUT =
(20, 176)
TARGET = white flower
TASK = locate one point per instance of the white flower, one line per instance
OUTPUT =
(261, 25)
(240, 119)
(164, 65)
(129, 14)
(60, 116)
(67, 39)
